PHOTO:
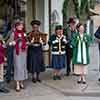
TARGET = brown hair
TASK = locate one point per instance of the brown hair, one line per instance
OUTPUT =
(18, 23)
(78, 25)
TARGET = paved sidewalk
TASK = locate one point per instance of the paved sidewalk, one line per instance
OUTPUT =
(69, 86)
(64, 89)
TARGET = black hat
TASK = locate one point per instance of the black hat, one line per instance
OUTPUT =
(37, 22)
(71, 20)
(58, 27)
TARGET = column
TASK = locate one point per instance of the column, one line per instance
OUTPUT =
(46, 16)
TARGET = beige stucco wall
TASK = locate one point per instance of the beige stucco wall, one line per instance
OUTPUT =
(29, 14)
(97, 18)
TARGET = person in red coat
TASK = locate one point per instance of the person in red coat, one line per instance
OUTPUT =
(2, 60)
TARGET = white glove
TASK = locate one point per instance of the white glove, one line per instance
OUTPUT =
(64, 40)
(5, 58)
(27, 43)
(32, 40)
(25, 35)
(3, 42)
(71, 46)
(41, 41)
(10, 43)
(13, 43)
(20, 35)
(4, 46)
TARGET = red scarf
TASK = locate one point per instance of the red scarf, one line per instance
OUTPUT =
(16, 36)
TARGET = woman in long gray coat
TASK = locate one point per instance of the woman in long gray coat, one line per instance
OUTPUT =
(20, 70)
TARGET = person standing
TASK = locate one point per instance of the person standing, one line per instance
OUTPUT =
(10, 49)
(58, 43)
(80, 43)
(9, 52)
(3, 88)
(20, 54)
(69, 31)
(97, 35)
(36, 52)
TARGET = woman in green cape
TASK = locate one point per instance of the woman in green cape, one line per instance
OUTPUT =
(80, 43)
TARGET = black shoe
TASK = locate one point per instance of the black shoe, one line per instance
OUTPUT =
(4, 90)
(59, 77)
(79, 82)
(84, 82)
(99, 79)
(8, 81)
(38, 80)
(34, 80)
(54, 77)
(22, 87)
(68, 73)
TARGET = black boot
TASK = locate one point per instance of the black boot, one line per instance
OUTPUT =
(38, 78)
(3, 88)
(68, 73)
(33, 80)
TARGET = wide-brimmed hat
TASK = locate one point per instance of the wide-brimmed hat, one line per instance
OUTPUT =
(37, 22)
(71, 20)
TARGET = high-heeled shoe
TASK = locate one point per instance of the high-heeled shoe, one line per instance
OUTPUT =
(84, 81)
(79, 81)
(22, 86)
(18, 89)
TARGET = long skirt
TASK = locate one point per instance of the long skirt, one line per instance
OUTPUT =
(29, 58)
(20, 70)
(37, 59)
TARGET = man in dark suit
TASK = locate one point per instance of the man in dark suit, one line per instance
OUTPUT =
(69, 31)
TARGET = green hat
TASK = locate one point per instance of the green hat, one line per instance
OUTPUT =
(58, 27)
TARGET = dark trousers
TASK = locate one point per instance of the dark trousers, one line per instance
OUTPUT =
(2, 85)
(29, 59)
(10, 63)
(99, 57)
(69, 58)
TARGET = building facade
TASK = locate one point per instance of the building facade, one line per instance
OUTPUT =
(96, 19)
(47, 11)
